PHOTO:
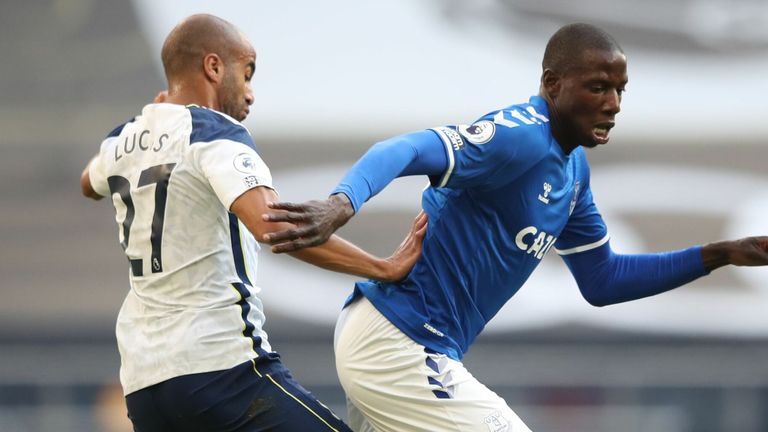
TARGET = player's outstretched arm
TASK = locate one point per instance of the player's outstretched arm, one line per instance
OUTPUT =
(336, 254)
(341, 256)
(605, 277)
(417, 153)
(748, 251)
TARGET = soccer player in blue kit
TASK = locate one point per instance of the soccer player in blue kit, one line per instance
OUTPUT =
(504, 191)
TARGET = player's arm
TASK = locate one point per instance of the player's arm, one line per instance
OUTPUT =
(605, 277)
(411, 154)
(85, 184)
(336, 254)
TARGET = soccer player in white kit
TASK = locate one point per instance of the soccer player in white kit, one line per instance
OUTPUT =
(189, 189)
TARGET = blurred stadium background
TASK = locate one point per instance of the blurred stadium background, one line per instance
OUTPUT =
(687, 164)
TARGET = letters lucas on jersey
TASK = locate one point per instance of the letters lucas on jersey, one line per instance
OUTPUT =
(139, 141)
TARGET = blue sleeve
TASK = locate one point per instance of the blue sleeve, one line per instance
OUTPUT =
(411, 154)
(605, 277)
(585, 227)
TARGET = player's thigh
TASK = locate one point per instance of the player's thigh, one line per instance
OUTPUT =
(295, 409)
(145, 414)
(397, 385)
(253, 396)
(420, 399)
(356, 419)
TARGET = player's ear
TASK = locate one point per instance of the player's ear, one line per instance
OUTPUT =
(550, 82)
(213, 67)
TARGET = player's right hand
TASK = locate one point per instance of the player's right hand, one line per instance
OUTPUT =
(748, 251)
(315, 222)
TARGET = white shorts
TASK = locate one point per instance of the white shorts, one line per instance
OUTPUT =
(393, 384)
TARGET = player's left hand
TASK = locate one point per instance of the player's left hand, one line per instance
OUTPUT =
(748, 251)
(405, 256)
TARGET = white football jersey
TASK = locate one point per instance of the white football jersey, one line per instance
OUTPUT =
(172, 173)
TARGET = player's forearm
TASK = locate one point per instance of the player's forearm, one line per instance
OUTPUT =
(411, 154)
(606, 278)
(341, 256)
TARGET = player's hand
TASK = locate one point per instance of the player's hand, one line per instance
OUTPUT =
(749, 251)
(405, 256)
(161, 97)
(315, 222)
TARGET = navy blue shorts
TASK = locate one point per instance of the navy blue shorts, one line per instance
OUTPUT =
(258, 395)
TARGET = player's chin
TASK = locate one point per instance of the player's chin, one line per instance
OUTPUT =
(241, 115)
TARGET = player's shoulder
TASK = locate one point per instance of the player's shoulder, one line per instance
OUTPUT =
(119, 129)
(528, 118)
(523, 125)
(210, 125)
(579, 159)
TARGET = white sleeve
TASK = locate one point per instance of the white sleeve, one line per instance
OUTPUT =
(96, 169)
(231, 168)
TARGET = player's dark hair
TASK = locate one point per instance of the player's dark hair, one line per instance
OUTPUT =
(195, 37)
(565, 46)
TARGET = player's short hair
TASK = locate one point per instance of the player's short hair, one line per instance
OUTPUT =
(565, 46)
(195, 37)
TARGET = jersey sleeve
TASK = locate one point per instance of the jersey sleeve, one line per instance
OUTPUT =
(585, 229)
(231, 168)
(224, 153)
(410, 154)
(487, 155)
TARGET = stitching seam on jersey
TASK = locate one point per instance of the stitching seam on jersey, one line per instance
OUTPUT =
(451, 160)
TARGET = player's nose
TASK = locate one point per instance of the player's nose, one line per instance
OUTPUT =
(612, 102)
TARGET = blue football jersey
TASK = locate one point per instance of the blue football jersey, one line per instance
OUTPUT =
(509, 195)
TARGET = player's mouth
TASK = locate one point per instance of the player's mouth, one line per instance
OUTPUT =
(600, 132)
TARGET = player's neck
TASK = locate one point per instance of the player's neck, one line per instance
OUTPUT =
(557, 126)
(181, 94)
(561, 133)
(562, 136)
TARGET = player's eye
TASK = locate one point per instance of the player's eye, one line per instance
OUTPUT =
(597, 89)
